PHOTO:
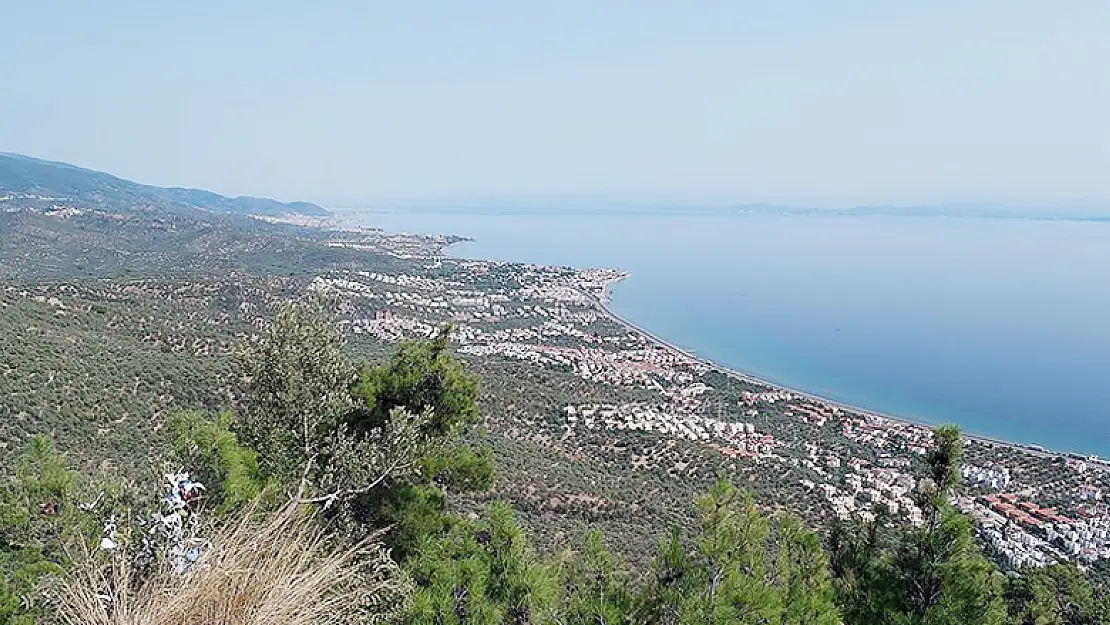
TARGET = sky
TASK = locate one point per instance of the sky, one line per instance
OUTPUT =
(356, 103)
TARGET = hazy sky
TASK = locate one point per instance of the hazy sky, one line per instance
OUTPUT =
(821, 102)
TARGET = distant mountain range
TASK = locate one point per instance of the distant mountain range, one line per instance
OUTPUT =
(88, 189)
(1091, 212)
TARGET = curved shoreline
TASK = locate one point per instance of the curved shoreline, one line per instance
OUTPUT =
(603, 305)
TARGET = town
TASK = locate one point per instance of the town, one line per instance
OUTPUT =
(855, 463)
(622, 387)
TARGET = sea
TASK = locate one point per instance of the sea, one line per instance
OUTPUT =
(1000, 325)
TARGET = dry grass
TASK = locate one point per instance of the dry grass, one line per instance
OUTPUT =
(275, 572)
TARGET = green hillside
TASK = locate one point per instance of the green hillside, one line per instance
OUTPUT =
(404, 418)
(90, 189)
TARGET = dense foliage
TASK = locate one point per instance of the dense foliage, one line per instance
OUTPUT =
(420, 375)
(205, 443)
(47, 517)
(1056, 595)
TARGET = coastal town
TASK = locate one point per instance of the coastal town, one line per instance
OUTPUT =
(643, 411)
(855, 464)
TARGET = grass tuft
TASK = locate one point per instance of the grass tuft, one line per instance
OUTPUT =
(274, 571)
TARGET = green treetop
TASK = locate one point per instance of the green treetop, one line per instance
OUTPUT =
(933, 574)
(739, 571)
(419, 376)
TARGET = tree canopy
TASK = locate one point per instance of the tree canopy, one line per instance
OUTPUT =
(419, 376)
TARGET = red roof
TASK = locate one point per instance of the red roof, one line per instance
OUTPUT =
(1085, 511)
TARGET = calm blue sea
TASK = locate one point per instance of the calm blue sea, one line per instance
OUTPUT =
(1000, 325)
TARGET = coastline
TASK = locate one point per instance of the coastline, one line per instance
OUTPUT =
(604, 300)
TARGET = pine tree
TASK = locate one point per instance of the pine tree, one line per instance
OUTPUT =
(808, 595)
(597, 586)
(298, 412)
(740, 569)
(41, 523)
(419, 376)
(661, 599)
(1059, 594)
(204, 445)
(485, 573)
(934, 574)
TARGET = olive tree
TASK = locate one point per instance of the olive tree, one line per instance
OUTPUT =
(297, 380)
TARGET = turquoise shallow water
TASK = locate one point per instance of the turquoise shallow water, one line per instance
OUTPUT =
(1000, 325)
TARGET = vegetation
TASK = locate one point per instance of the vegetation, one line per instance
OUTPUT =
(23, 174)
(372, 447)
(280, 571)
(420, 375)
(42, 521)
(307, 407)
(319, 454)
(731, 572)
(1055, 595)
(736, 572)
(205, 443)
(383, 439)
(931, 574)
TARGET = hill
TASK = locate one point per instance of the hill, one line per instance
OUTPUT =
(36, 184)
(126, 312)
(62, 222)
